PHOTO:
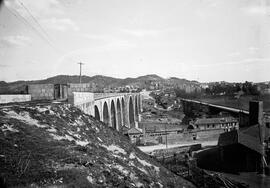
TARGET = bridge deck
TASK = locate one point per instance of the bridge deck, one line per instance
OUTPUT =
(98, 96)
(218, 106)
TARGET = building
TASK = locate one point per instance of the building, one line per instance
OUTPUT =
(48, 91)
(266, 91)
(244, 150)
(80, 87)
(225, 123)
(241, 150)
(156, 133)
(158, 129)
(57, 91)
(133, 133)
(204, 85)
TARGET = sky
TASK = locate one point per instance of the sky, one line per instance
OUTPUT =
(204, 40)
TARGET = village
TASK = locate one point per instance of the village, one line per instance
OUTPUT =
(171, 126)
(209, 140)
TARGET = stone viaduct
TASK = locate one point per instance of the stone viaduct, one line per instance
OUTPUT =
(117, 110)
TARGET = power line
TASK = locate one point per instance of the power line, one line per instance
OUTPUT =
(35, 20)
(40, 26)
(25, 21)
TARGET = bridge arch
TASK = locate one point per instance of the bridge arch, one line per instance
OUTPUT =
(106, 116)
(131, 113)
(97, 114)
(124, 114)
(113, 115)
(119, 113)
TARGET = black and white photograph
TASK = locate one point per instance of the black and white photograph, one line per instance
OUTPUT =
(134, 93)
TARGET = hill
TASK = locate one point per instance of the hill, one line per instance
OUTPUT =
(99, 81)
(57, 145)
(181, 80)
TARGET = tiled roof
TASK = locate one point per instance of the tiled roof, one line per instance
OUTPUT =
(125, 129)
(162, 127)
(134, 130)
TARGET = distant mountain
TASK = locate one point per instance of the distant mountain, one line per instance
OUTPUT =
(3, 83)
(105, 81)
(63, 79)
(100, 81)
(152, 77)
(175, 80)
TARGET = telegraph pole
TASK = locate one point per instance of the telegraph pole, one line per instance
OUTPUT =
(80, 63)
(166, 136)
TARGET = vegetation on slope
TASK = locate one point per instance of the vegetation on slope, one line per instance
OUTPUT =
(45, 145)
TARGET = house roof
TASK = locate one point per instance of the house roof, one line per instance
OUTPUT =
(215, 120)
(125, 129)
(134, 130)
(159, 127)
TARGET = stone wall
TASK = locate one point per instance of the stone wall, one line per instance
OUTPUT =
(14, 98)
(107, 95)
(83, 100)
(174, 138)
(41, 91)
(76, 87)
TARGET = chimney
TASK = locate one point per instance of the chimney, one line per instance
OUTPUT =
(256, 117)
(255, 113)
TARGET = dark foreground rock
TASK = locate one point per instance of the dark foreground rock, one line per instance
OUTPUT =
(57, 145)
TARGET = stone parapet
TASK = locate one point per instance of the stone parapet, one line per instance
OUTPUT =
(14, 98)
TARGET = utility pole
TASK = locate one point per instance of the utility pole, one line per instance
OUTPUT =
(166, 136)
(80, 71)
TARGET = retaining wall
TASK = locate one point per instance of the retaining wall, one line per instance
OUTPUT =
(174, 138)
(14, 98)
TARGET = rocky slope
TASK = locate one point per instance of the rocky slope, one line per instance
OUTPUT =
(57, 145)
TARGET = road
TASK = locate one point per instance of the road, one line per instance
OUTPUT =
(147, 149)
